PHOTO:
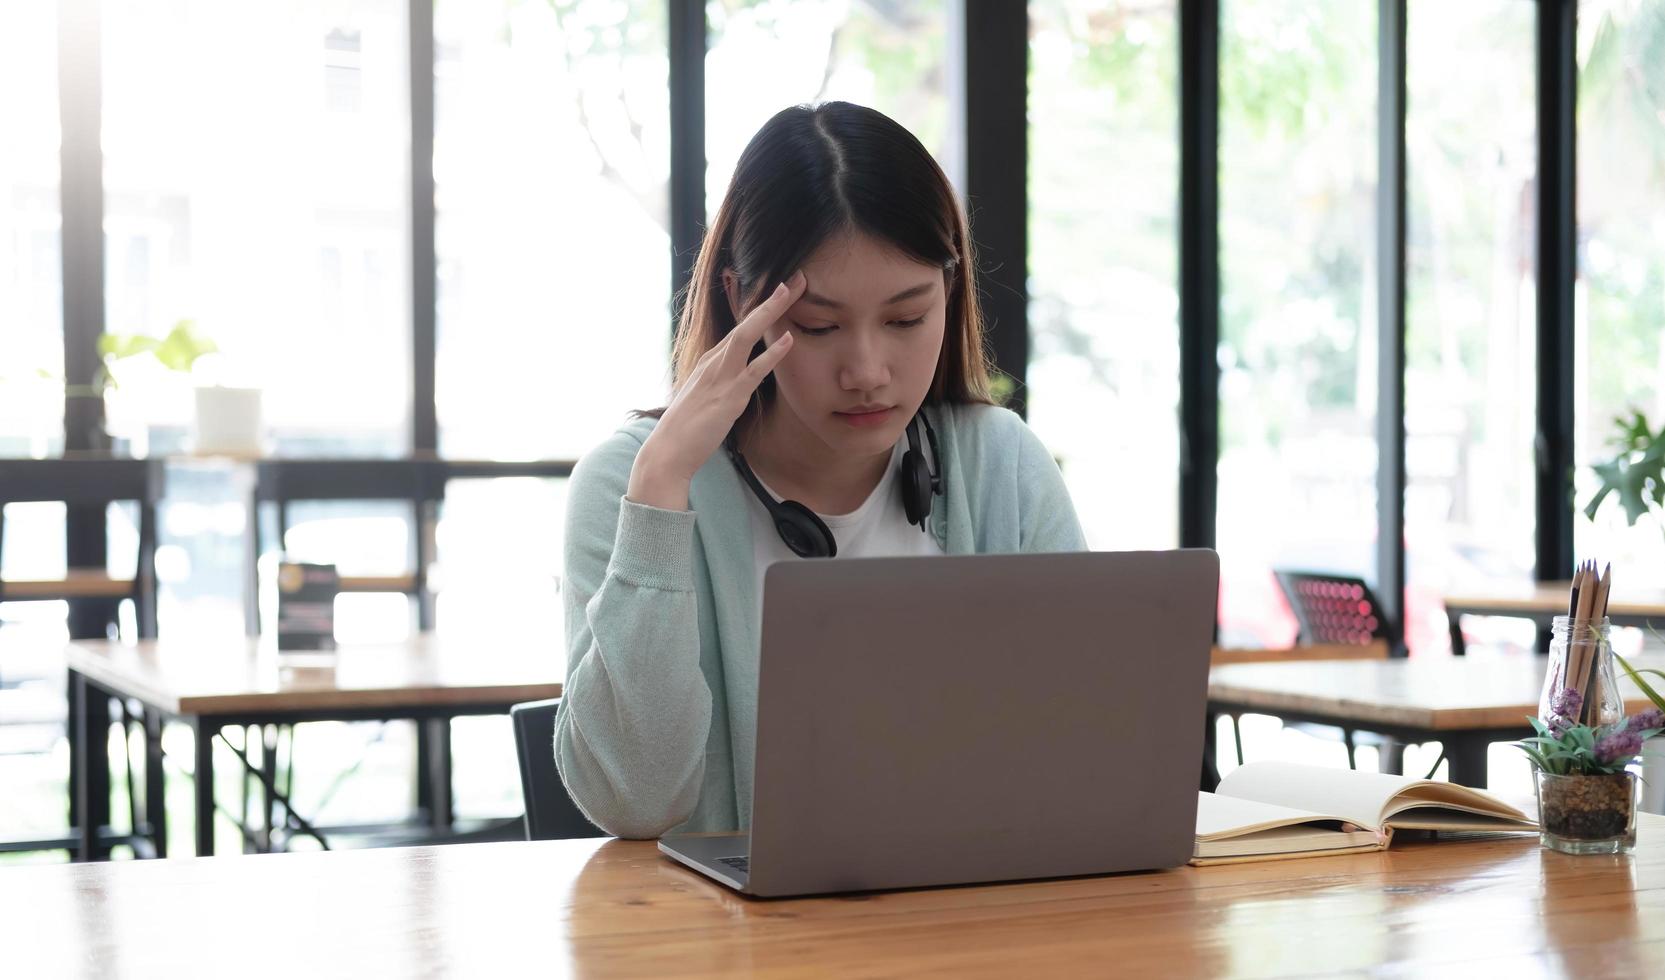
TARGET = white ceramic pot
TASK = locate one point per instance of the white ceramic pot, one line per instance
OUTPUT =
(1653, 776)
(228, 421)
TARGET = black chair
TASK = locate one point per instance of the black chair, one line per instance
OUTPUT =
(550, 812)
(87, 485)
(90, 483)
(1341, 610)
(418, 483)
(1337, 609)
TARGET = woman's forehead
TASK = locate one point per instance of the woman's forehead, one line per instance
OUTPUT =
(859, 270)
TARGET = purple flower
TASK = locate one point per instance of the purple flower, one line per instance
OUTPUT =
(1618, 745)
(1651, 718)
(1567, 702)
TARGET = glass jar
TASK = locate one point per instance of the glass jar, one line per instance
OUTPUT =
(1587, 814)
(1580, 658)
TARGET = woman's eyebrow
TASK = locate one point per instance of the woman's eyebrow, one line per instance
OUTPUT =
(816, 299)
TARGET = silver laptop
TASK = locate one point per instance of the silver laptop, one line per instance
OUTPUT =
(976, 718)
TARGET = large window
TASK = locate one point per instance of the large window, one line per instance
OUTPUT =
(255, 162)
(1470, 363)
(765, 55)
(1103, 196)
(31, 317)
(1620, 302)
(1298, 312)
(551, 157)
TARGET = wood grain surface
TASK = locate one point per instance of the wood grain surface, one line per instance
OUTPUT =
(1501, 907)
(1434, 693)
(203, 676)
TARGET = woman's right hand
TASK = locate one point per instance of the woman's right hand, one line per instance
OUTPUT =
(708, 402)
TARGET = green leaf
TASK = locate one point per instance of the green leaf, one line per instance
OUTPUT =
(182, 346)
(1636, 678)
(1538, 758)
(1636, 474)
(116, 346)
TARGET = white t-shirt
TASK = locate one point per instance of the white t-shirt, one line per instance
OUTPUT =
(878, 528)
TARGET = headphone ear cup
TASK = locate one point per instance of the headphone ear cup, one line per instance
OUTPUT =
(806, 534)
(916, 487)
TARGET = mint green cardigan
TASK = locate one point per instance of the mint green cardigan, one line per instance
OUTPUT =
(657, 727)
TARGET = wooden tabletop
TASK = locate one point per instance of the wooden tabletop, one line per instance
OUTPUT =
(1488, 691)
(617, 908)
(1551, 598)
(235, 675)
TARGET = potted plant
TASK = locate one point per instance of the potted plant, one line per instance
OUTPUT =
(1586, 793)
(1653, 752)
(226, 418)
(1636, 474)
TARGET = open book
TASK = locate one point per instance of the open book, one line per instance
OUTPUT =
(1268, 810)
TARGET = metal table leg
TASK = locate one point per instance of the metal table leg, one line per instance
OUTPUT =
(72, 726)
(204, 789)
(156, 796)
(92, 765)
(1210, 777)
(434, 735)
(1467, 756)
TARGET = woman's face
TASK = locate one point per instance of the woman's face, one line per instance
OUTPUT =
(869, 330)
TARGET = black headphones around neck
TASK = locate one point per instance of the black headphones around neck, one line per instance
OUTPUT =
(808, 536)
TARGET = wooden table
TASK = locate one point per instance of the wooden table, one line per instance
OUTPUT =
(237, 681)
(604, 908)
(1466, 703)
(1542, 602)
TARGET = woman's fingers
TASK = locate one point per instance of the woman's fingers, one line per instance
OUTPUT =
(750, 330)
(765, 362)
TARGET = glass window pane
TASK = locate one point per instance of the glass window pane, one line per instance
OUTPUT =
(255, 183)
(499, 547)
(1103, 192)
(1298, 303)
(31, 320)
(1470, 362)
(889, 56)
(1620, 303)
(551, 159)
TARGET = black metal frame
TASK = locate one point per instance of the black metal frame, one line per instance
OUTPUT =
(1390, 317)
(996, 119)
(1199, 270)
(81, 236)
(424, 269)
(1465, 748)
(92, 765)
(688, 40)
(1557, 37)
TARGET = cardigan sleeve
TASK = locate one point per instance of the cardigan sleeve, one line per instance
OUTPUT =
(1046, 516)
(636, 710)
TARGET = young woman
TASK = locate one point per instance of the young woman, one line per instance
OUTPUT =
(830, 397)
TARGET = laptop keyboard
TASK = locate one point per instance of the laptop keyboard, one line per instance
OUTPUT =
(740, 864)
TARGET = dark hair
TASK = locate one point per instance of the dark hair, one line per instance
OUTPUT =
(813, 172)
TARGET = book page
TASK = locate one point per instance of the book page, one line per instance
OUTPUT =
(1228, 827)
(1446, 806)
(1220, 817)
(1369, 799)
(1353, 795)
(1279, 842)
